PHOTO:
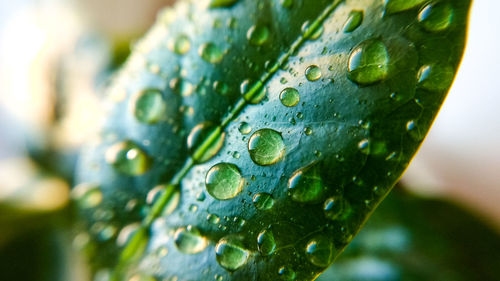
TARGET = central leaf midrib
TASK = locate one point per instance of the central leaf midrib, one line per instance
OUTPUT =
(227, 119)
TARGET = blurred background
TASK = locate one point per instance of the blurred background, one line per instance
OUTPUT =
(441, 223)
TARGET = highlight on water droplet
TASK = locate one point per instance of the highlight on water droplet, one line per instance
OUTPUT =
(189, 240)
(258, 35)
(210, 53)
(436, 16)
(263, 201)
(128, 158)
(223, 181)
(266, 242)
(313, 73)
(231, 254)
(149, 106)
(306, 184)
(180, 44)
(353, 21)
(87, 195)
(369, 62)
(197, 141)
(289, 97)
(266, 147)
(320, 251)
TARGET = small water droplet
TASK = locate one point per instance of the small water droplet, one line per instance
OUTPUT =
(266, 147)
(320, 251)
(196, 141)
(224, 181)
(221, 88)
(364, 146)
(308, 131)
(149, 106)
(369, 63)
(435, 77)
(334, 207)
(213, 219)
(290, 97)
(128, 158)
(231, 254)
(181, 87)
(306, 185)
(180, 45)
(436, 17)
(87, 195)
(245, 128)
(396, 6)
(210, 53)
(263, 201)
(266, 242)
(189, 240)
(353, 21)
(193, 208)
(159, 191)
(313, 73)
(252, 93)
(287, 273)
(127, 233)
(312, 32)
(258, 35)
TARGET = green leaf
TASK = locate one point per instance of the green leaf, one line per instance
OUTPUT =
(275, 136)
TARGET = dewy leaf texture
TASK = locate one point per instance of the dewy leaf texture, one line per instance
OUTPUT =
(250, 140)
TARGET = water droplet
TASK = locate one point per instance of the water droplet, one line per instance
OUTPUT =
(253, 93)
(334, 207)
(369, 63)
(87, 195)
(236, 155)
(312, 32)
(149, 106)
(287, 273)
(258, 35)
(435, 77)
(127, 233)
(231, 254)
(263, 201)
(193, 208)
(189, 240)
(266, 242)
(313, 73)
(222, 3)
(181, 87)
(180, 45)
(213, 219)
(196, 141)
(128, 158)
(266, 147)
(201, 196)
(245, 128)
(210, 53)
(410, 125)
(396, 6)
(306, 185)
(159, 191)
(290, 97)
(308, 131)
(353, 21)
(221, 88)
(436, 17)
(320, 251)
(224, 181)
(364, 146)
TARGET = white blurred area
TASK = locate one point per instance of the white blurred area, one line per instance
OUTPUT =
(460, 159)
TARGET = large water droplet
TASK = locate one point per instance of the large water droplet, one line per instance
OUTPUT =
(306, 185)
(222, 3)
(335, 207)
(128, 158)
(258, 35)
(313, 73)
(149, 106)
(197, 139)
(436, 17)
(210, 53)
(320, 251)
(353, 21)
(231, 254)
(395, 6)
(369, 63)
(180, 45)
(290, 97)
(266, 147)
(435, 77)
(87, 195)
(189, 240)
(266, 242)
(263, 201)
(224, 181)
